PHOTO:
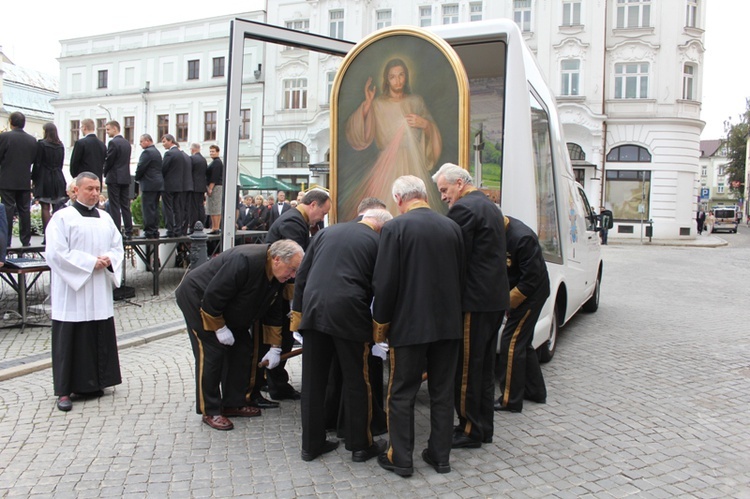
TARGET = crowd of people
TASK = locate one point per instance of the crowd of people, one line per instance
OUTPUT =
(428, 292)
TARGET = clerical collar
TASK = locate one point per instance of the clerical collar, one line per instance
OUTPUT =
(85, 210)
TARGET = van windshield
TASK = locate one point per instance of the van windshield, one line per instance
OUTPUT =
(724, 213)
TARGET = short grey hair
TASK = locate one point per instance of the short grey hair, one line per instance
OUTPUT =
(88, 175)
(379, 215)
(452, 173)
(285, 249)
(196, 146)
(409, 187)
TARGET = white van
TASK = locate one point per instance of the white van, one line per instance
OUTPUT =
(512, 109)
(725, 218)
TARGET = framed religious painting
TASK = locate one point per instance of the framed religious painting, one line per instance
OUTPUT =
(399, 106)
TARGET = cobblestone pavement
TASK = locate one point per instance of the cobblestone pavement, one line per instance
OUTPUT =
(649, 397)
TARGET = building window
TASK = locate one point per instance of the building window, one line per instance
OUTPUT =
(101, 129)
(194, 68)
(522, 14)
(688, 82)
(720, 189)
(631, 80)
(102, 78)
(571, 13)
(704, 171)
(218, 69)
(182, 127)
(570, 71)
(244, 124)
(75, 131)
(383, 18)
(633, 13)
(128, 128)
(691, 16)
(209, 126)
(425, 16)
(576, 152)
(162, 125)
(475, 11)
(450, 14)
(720, 171)
(628, 193)
(580, 174)
(295, 93)
(336, 24)
(629, 153)
(299, 25)
(330, 76)
(293, 155)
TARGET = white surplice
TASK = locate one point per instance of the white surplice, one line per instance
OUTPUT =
(78, 292)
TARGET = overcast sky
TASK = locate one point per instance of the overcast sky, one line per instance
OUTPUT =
(32, 40)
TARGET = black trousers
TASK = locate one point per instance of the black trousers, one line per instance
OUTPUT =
(475, 376)
(520, 373)
(407, 364)
(173, 212)
(150, 209)
(278, 377)
(18, 201)
(119, 206)
(196, 210)
(316, 360)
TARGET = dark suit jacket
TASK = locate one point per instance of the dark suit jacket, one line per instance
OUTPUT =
(17, 153)
(418, 279)
(148, 172)
(527, 270)
(88, 156)
(187, 173)
(481, 221)
(171, 169)
(274, 212)
(333, 287)
(293, 225)
(117, 161)
(199, 172)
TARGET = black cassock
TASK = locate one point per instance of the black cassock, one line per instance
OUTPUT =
(84, 354)
(418, 280)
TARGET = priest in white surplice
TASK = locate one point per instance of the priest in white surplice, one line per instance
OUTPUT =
(85, 253)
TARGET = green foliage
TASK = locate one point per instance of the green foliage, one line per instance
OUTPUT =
(736, 141)
(136, 211)
(36, 224)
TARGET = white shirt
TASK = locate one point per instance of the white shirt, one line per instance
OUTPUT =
(78, 292)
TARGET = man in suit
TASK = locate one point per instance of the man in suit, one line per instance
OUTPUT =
(485, 298)
(418, 280)
(17, 153)
(280, 207)
(171, 197)
(117, 176)
(187, 191)
(332, 297)
(89, 152)
(197, 212)
(247, 219)
(148, 175)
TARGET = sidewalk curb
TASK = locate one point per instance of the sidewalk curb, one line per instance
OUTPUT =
(31, 367)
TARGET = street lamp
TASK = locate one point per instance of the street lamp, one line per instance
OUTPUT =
(108, 113)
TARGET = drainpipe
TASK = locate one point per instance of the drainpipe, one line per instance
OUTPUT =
(604, 106)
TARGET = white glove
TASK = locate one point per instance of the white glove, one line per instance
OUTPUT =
(273, 357)
(225, 336)
(297, 336)
(380, 350)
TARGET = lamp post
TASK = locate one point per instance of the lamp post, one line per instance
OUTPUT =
(109, 115)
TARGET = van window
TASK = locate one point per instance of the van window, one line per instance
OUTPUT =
(590, 217)
(546, 194)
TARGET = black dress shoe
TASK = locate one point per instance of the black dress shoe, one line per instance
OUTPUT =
(288, 395)
(384, 463)
(328, 446)
(501, 407)
(461, 441)
(360, 456)
(263, 403)
(487, 440)
(439, 467)
(64, 403)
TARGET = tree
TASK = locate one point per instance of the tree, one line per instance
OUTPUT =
(736, 142)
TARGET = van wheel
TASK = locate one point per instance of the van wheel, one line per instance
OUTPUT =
(547, 350)
(592, 305)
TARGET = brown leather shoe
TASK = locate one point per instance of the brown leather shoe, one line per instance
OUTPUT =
(241, 412)
(218, 422)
